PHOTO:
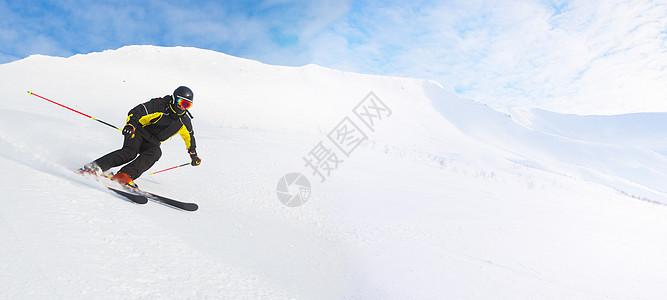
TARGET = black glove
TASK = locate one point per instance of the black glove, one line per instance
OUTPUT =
(128, 131)
(195, 159)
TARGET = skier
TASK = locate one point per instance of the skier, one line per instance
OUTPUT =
(148, 125)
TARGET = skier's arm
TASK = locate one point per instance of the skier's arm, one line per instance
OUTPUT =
(188, 135)
(142, 114)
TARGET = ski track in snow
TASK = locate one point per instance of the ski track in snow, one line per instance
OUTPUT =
(447, 198)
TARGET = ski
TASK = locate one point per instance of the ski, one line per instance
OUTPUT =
(139, 196)
(168, 201)
(136, 198)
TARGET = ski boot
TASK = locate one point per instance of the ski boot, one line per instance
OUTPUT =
(124, 179)
(92, 169)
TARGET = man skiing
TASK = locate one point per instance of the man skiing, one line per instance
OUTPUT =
(148, 125)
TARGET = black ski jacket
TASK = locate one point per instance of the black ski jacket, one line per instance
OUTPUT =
(161, 120)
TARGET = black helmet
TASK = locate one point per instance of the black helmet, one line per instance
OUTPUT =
(183, 92)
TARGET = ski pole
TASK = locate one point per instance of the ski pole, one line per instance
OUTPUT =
(183, 165)
(74, 110)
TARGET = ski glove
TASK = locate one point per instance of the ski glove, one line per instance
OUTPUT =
(128, 131)
(195, 159)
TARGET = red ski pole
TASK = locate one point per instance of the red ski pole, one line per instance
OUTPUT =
(183, 165)
(74, 110)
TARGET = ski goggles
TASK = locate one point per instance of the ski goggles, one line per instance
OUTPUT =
(183, 102)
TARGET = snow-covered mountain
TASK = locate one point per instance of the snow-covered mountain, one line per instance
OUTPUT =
(428, 195)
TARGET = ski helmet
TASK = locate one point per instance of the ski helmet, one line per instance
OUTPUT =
(183, 92)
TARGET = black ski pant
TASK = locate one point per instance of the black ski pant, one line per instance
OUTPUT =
(144, 145)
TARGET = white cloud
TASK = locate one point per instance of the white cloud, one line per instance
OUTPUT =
(578, 56)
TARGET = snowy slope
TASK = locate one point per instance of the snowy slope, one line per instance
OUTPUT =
(447, 199)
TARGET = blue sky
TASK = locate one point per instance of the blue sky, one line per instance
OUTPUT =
(548, 53)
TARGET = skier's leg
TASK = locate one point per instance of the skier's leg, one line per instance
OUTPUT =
(150, 153)
(121, 156)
